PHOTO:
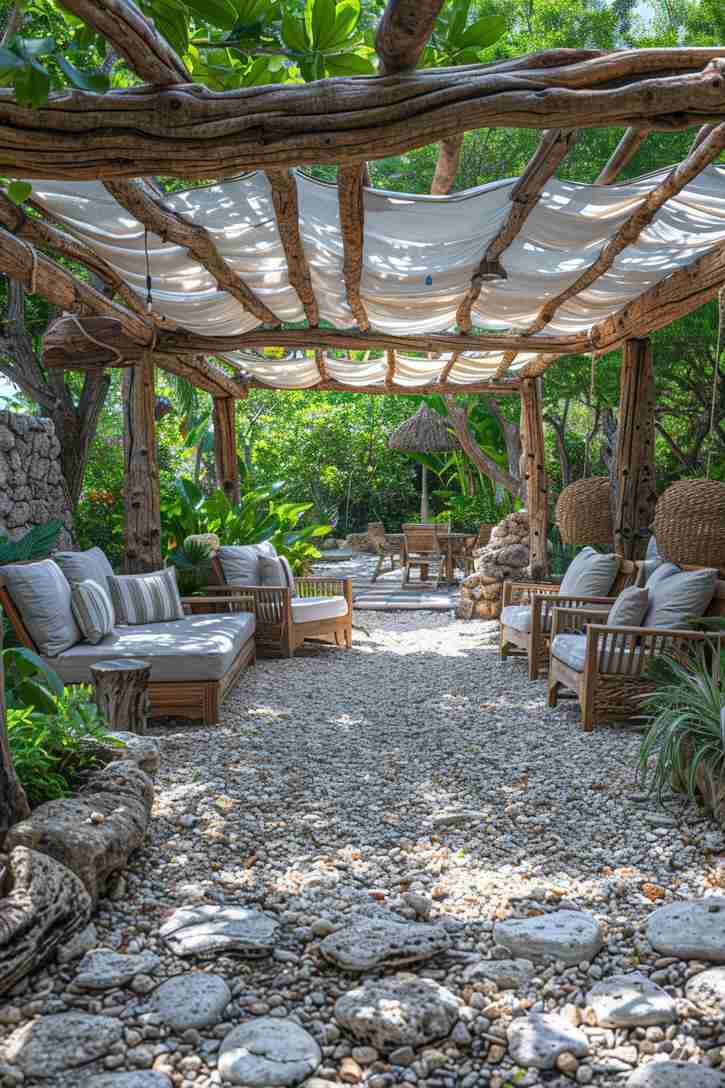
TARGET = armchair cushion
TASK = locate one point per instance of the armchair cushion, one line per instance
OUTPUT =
(629, 608)
(240, 563)
(199, 647)
(571, 649)
(146, 598)
(590, 574)
(307, 609)
(518, 616)
(90, 565)
(42, 595)
(677, 600)
(659, 572)
(275, 570)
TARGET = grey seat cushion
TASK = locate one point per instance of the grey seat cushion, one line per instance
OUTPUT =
(240, 562)
(572, 649)
(90, 565)
(42, 596)
(517, 616)
(199, 647)
(590, 574)
(307, 609)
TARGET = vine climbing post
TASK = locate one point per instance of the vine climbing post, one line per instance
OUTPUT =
(534, 472)
(633, 475)
(142, 538)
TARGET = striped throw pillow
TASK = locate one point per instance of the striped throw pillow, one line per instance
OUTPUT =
(92, 609)
(146, 598)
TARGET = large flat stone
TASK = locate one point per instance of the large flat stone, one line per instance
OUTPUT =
(196, 1000)
(400, 1011)
(209, 930)
(567, 935)
(693, 930)
(46, 907)
(67, 1040)
(630, 1001)
(94, 851)
(103, 969)
(506, 974)
(268, 1053)
(379, 942)
(144, 1078)
(675, 1075)
(538, 1039)
(708, 988)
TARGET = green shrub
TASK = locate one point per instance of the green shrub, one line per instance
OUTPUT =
(51, 752)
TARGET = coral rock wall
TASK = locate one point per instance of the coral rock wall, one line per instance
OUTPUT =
(32, 491)
(505, 556)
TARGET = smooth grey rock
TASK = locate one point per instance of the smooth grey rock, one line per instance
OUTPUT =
(708, 988)
(379, 942)
(507, 974)
(196, 1000)
(104, 969)
(690, 930)
(567, 935)
(268, 1052)
(83, 942)
(675, 1075)
(46, 906)
(630, 1001)
(64, 1041)
(207, 930)
(144, 1078)
(539, 1038)
(400, 1011)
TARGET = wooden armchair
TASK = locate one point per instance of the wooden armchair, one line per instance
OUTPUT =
(606, 668)
(422, 546)
(537, 600)
(318, 609)
(391, 545)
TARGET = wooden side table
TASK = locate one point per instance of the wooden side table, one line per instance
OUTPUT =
(122, 696)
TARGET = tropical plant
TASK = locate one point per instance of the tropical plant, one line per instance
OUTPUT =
(192, 560)
(29, 682)
(684, 748)
(52, 751)
(37, 543)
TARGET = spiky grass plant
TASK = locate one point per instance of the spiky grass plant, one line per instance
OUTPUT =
(684, 748)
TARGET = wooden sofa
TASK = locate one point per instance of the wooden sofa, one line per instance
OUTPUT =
(281, 627)
(537, 600)
(610, 676)
(219, 642)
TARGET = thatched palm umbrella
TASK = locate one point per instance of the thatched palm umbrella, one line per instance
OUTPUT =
(425, 432)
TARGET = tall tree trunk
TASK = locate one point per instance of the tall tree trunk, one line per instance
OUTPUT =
(141, 492)
(485, 464)
(13, 802)
(534, 459)
(633, 479)
(449, 155)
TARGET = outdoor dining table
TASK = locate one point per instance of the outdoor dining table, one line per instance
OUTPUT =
(454, 545)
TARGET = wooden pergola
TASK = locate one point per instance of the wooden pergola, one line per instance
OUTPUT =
(171, 126)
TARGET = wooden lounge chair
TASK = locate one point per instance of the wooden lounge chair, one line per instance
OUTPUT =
(423, 547)
(314, 608)
(529, 635)
(390, 545)
(195, 662)
(606, 667)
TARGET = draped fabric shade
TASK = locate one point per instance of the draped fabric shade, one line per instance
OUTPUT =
(419, 255)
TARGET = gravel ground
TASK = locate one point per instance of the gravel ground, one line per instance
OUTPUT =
(415, 775)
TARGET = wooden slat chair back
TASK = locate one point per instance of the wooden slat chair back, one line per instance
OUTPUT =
(277, 633)
(542, 598)
(192, 699)
(388, 545)
(423, 545)
(613, 680)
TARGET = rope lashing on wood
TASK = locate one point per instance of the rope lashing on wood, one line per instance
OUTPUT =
(100, 344)
(149, 297)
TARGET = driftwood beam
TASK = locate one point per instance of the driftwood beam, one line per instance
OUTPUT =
(352, 223)
(142, 531)
(140, 201)
(534, 470)
(122, 24)
(403, 33)
(201, 372)
(390, 369)
(225, 447)
(622, 155)
(286, 207)
(634, 491)
(189, 131)
(525, 196)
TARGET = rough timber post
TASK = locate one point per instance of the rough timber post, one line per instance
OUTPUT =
(141, 490)
(534, 469)
(633, 483)
(225, 447)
